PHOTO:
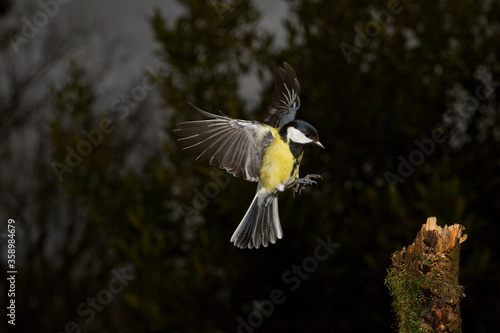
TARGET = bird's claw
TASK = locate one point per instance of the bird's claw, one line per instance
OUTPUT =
(300, 183)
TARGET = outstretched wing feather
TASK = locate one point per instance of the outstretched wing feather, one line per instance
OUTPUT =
(285, 100)
(204, 141)
(231, 143)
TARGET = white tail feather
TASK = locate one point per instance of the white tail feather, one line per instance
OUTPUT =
(261, 223)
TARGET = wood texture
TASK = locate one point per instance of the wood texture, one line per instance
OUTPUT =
(423, 280)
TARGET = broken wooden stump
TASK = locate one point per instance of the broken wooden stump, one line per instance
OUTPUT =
(423, 280)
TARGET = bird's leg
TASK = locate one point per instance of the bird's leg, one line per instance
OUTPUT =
(300, 183)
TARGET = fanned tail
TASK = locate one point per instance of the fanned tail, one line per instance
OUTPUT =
(261, 223)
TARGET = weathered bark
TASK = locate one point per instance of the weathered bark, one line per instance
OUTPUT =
(423, 280)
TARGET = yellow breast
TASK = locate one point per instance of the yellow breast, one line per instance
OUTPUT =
(277, 165)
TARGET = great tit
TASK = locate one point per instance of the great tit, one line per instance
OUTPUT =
(268, 153)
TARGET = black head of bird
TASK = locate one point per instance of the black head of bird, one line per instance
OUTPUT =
(300, 132)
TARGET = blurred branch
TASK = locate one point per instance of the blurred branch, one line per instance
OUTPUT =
(62, 255)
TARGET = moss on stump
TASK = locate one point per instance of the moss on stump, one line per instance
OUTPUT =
(423, 280)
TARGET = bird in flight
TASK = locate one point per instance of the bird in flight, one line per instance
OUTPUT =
(268, 153)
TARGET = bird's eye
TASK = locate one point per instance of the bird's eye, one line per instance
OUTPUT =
(308, 135)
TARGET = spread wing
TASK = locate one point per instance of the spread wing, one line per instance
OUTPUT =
(285, 100)
(231, 143)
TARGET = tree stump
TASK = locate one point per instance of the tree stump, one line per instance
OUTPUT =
(423, 280)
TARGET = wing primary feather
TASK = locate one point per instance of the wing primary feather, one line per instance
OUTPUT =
(243, 158)
(231, 143)
(285, 100)
(207, 114)
(216, 137)
(221, 150)
(235, 156)
(203, 139)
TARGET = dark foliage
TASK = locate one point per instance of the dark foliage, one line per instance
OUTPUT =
(404, 97)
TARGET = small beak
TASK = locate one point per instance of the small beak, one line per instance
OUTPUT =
(319, 144)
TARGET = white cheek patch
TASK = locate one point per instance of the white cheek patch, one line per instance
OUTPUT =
(297, 136)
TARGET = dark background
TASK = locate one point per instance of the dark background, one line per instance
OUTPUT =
(378, 78)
